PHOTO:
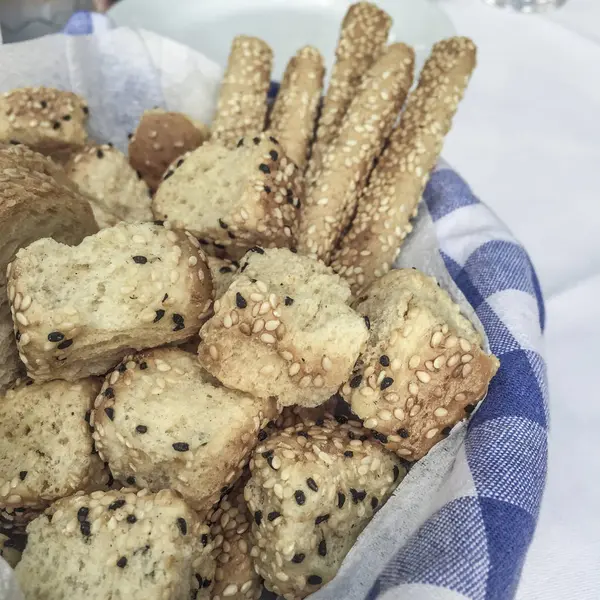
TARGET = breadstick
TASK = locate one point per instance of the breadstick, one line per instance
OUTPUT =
(363, 36)
(332, 198)
(397, 182)
(242, 106)
(295, 109)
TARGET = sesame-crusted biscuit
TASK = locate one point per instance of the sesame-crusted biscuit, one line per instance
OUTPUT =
(104, 174)
(46, 446)
(47, 120)
(9, 551)
(313, 490)
(160, 139)
(235, 576)
(345, 165)
(223, 272)
(292, 119)
(283, 329)
(233, 199)
(423, 369)
(36, 200)
(78, 310)
(362, 40)
(390, 200)
(168, 424)
(242, 104)
(116, 544)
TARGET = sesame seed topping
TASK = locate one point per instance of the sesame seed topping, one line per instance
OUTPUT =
(116, 504)
(258, 517)
(99, 153)
(384, 360)
(314, 580)
(341, 499)
(273, 515)
(396, 472)
(321, 519)
(56, 336)
(110, 413)
(355, 381)
(264, 168)
(131, 519)
(322, 549)
(300, 497)
(367, 322)
(182, 524)
(82, 514)
(160, 313)
(298, 558)
(140, 260)
(312, 484)
(181, 446)
(22, 475)
(64, 345)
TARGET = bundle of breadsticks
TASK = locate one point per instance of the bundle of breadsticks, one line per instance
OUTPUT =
(212, 378)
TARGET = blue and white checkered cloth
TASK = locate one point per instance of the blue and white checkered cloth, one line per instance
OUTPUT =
(472, 541)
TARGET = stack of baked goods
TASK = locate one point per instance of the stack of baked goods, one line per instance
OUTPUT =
(212, 378)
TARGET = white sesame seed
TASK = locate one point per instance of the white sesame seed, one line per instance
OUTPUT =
(464, 359)
(214, 353)
(267, 338)
(465, 345)
(431, 433)
(414, 361)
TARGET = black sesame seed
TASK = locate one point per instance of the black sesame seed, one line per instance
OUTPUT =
(446, 431)
(321, 519)
(355, 381)
(273, 154)
(131, 519)
(288, 301)
(257, 249)
(374, 502)
(22, 475)
(30, 382)
(319, 422)
(403, 433)
(262, 435)
(469, 408)
(159, 223)
(129, 135)
(314, 580)
(99, 153)
(82, 514)
(160, 313)
(86, 110)
(204, 539)
(300, 497)
(110, 413)
(180, 162)
(122, 562)
(267, 189)
(289, 195)
(256, 141)
(303, 434)
(384, 360)
(273, 140)
(351, 435)
(116, 505)
(64, 345)
(182, 524)
(109, 392)
(43, 104)
(348, 454)
(243, 267)
(88, 414)
(130, 480)
(273, 515)
(225, 270)
(181, 446)
(56, 336)
(381, 437)
(85, 528)
(240, 143)
(258, 517)
(165, 297)
(367, 322)
(357, 496)
(66, 118)
(298, 558)
(341, 419)
(341, 499)
(387, 381)
(396, 472)
(267, 454)
(222, 224)
(15, 142)
(363, 438)
(56, 125)
(264, 168)
(312, 484)
(206, 583)
(179, 322)
(143, 366)
(140, 260)
(240, 301)
(167, 175)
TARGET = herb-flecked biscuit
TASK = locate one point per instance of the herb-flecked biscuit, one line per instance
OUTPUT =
(116, 544)
(313, 490)
(78, 310)
(234, 199)
(166, 423)
(46, 446)
(115, 190)
(160, 139)
(424, 368)
(47, 120)
(284, 329)
(235, 576)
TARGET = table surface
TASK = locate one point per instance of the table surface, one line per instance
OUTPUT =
(527, 139)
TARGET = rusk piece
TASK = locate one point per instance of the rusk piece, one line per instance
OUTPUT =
(46, 446)
(242, 105)
(313, 490)
(362, 39)
(160, 139)
(116, 544)
(331, 199)
(424, 368)
(161, 422)
(386, 206)
(36, 200)
(283, 329)
(116, 192)
(47, 120)
(233, 199)
(297, 103)
(79, 310)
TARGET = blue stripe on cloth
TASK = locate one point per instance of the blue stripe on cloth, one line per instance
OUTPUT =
(446, 191)
(80, 23)
(444, 553)
(509, 530)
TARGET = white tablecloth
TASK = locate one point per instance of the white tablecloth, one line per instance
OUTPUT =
(527, 139)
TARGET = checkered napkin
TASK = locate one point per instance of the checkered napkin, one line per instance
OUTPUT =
(460, 523)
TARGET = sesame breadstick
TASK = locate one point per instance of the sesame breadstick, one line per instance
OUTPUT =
(242, 106)
(295, 109)
(362, 40)
(397, 182)
(331, 199)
